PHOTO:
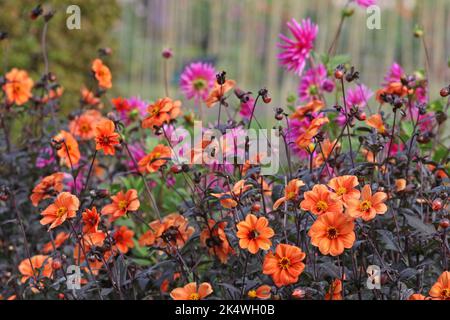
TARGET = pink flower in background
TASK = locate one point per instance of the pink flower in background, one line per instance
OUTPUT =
(294, 52)
(296, 128)
(314, 83)
(366, 3)
(197, 80)
(135, 111)
(357, 96)
(394, 74)
(138, 153)
(45, 157)
(247, 108)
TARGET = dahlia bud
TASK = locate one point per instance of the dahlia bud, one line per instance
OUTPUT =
(105, 51)
(441, 117)
(444, 92)
(444, 223)
(298, 293)
(418, 31)
(176, 169)
(339, 72)
(256, 207)
(61, 296)
(36, 12)
(56, 264)
(167, 53)
(361, 116)
(436, 205)
(3, 35)
(221, 77)
(267, 99)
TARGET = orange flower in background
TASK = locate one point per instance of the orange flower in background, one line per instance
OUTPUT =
(215, 239)
(122, 203)
(83, 126)
(327, 148)
(190, 292)
(105, 137)
(285, 265)
(418, 296)
(290, 192)
(59, 241)
(18, 86)
(369, 155)
(47, 187)
(262, 292)
(123, 238)
(441, 289)
(88, 97)
(36, 266)
(395, 87)
(332, 232)
(304, 139)
(227, 199)
(69, 153)
(312, 106)
(91, 219)
(376, 121)
(102, 74)
(344, 187)
(368, 206)
(172, 231)
(400, 185)
(335, 291)
(320, 201)
(254, 233)
(121, 104)
(162, 111)
(218, 92)
(88, 241)
(155, 159)
(64, 207)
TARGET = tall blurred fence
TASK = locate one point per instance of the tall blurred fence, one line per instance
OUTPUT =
(240, 36)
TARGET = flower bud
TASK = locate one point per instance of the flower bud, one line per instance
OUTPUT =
(167, 53)
(444, 223)
(436, 205)
(56, 264)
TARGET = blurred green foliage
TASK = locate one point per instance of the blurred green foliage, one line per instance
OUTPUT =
(70, 52)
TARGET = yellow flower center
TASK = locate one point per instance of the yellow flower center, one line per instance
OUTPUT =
(445, 293)
(123, 204)
(194, 296)
(199, 83)
(365, 205)
(332, 233)
(252, 294)
(84, 128)
(61, 211)
(284, 263)
(340, 191)
(321, 206)
(291, 195)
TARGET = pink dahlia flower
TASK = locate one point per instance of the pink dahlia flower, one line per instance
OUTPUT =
(197, 80)
(314, 83)
(365, 3)
(294, 52)
(357, 96)
(247, 108)
(394, 74)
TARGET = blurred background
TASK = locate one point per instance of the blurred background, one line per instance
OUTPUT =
(238, 36)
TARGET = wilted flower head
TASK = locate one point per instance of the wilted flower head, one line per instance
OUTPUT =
(294, 52)
(197, 80)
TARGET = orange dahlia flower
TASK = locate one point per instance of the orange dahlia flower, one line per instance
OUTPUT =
(83, 126)
(332, 232)
(123, 238)
(88, 97)
(368, 206)
(304, 140)
(40, 265)
(64, 207)
(190, 291)
(172, 231)
(47, 187)
(155, 159)
(262, 292)
(254, 233)
(102, 74)
(290, 192)
(215, 239)
(320, 201)
(105, 136)
(285, 265)
(218, 92)
(418, 296)
(162, 111)
(91, 219)
(327, 147)
(59, 241)
(441, 289)
(18, 86)
(69, 153)
(121, 104)
(122, 203)
(312, 106)
(375, 121)
(227, 199)
(344, 187)
(335, 291)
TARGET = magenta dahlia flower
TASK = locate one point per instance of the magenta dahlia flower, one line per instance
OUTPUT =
(197, 80)
(357, 96)
(394, 74)
(247, 108)
(314, 83)
(294, 52)
(365, 3)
